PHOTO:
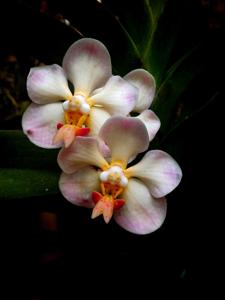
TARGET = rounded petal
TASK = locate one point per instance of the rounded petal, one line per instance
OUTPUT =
(39, 123)
(141, 213)
(117, 96)
(151, 122)
(145, 83)
(125, 136)
(97, 118)
(88, 65)
(47, 84)
(159, 171)
(78, 187)
(83, 151)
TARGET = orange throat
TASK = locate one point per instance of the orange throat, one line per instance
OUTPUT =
(75, 125)
(107, 202)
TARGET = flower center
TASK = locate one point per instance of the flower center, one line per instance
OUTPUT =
(113, 182)
(77, 103)
(76, 110)
(76, 114)
(114, 176)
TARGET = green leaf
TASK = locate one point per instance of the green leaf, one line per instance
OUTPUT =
(177, 81)
(18, 152)
(167, 37)
(138, 24)
(27, 183)
(25, 169)
(155, 9)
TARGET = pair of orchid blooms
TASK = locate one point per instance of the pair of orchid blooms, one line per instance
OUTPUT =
(98, 137)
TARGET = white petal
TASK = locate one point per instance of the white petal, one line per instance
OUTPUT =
(84, 151)
(97, 118)
(117, 96)
(145, 83)
(159, 171)
(39, 123)
(125, 136)
(78, 187)
(47, 84)
(141, 213)
(151, 122)
(88, 65)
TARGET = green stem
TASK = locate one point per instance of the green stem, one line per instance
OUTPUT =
(150, 12)
(129, 37)
(151, 32)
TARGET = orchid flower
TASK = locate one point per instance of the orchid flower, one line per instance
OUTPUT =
(145, 84)
(134, 195)
(57, 115)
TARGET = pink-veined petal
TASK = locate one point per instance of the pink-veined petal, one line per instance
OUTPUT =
(39, 123)
(145, 83)
(159, 171)
(141, 213)
(151, 122)
(78, 187)
(97, 118)
(47, 84)
(125, 137)
(88, 65)
(82, 152)
(118, 96)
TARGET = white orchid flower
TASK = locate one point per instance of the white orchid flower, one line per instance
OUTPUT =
(57, 114)
(134, 195)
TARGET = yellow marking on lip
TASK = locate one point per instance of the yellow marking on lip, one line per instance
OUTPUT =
(82, 120)
(119, 163)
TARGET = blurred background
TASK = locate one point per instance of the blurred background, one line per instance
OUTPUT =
(50, 246)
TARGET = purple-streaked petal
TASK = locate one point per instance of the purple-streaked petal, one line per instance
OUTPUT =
(83, 151)
(97, 118)
(145, 83)
(78, 187)
(39, 123)
(159, 171)
(125, 137)
(88, 65)
(141, 213)
(47, 84)
(118, 96)
(151, 122)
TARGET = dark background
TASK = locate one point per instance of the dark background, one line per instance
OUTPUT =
(52, 248)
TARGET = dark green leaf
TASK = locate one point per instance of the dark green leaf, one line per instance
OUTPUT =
(25, 169)
(18, 152)
(26, 183)
(178, 79)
